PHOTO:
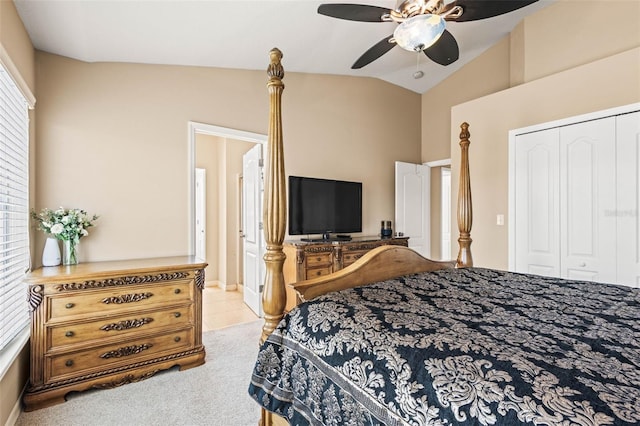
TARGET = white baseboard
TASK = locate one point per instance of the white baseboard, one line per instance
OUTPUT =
(221, 285)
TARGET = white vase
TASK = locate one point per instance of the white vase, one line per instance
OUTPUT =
(51, 253)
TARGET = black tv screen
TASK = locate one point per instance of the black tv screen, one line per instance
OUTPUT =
(323, 206)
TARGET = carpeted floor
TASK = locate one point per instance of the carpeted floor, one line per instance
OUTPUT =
(212, 394)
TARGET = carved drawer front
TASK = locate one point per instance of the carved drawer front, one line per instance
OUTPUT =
(127, 352)
(349, 257)
(318, 272)
(129, 297)
(117, 326)
(317, 259)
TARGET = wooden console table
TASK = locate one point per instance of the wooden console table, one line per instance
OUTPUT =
(306, 260)
(105, 324)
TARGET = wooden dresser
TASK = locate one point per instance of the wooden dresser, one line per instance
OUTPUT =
(105, 324)
(306, 260)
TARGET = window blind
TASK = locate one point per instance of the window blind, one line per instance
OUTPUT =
(14, 208)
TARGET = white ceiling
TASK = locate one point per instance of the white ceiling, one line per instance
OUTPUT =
(240, 33)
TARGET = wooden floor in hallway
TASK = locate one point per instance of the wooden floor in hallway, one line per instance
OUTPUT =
(222, 309)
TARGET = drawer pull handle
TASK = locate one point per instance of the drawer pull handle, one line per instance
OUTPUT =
(69, 333)
(126, 351)
(319, 273)
(177, 314)
(69, 363)
(126, 324)
(176, 291)
(126, 298)
(176, 339)
(69, 305)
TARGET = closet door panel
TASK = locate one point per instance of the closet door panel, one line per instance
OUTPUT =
(587, 193)
(628, 189)
(537, 237)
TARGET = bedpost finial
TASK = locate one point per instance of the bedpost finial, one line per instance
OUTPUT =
(275, 69)
(464, 131)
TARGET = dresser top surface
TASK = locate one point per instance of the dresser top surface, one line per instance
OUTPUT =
(114, 267)
(365, 239)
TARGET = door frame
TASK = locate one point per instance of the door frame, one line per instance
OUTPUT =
(195, 128)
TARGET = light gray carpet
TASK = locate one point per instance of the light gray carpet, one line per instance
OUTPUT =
(212, 394)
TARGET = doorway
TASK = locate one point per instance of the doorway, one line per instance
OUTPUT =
(224, 232)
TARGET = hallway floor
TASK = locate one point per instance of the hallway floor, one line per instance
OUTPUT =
(221, 309)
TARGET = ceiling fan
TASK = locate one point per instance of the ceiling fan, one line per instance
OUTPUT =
(421, 24)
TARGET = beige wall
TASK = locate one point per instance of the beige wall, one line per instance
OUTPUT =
(571, 33)
(588, 86)
(16, 44)
(113, 140)
(486, 74)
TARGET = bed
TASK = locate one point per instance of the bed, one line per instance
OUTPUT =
(398, 339)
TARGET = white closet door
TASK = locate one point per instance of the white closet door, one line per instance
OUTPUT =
(537, 238)
(587, 192)
(626, 213)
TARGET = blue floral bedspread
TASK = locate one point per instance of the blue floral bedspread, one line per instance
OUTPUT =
(462, 346)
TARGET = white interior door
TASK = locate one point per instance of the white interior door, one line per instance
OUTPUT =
(537, 206)
(253, 248)
(628, 187)
(413, 215)
(201, 212)
(587, 191)
(445, 214)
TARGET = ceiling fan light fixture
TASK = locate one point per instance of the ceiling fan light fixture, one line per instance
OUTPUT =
(419, 32)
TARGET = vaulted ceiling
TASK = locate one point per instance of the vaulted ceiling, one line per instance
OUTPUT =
(239, 34)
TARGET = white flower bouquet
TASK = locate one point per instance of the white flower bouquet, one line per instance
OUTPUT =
(68, 225)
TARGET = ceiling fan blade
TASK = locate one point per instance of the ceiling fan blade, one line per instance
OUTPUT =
(445, 51)
(353, 12)
(377, 50)
(474, 10)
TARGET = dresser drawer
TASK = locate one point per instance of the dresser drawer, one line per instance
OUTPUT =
(349, 257)
(318, 259)
(117, 326)
(70, 364)
(122, 298)
(318, 272)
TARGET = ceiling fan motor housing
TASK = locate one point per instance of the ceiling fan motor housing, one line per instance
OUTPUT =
(406, 9)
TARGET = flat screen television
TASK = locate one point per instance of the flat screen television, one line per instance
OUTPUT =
(324, 206)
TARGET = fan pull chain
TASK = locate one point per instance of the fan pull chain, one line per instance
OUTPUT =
(418, 74)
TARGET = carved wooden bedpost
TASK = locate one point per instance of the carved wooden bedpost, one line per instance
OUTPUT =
(465, 210)
(274, 213)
